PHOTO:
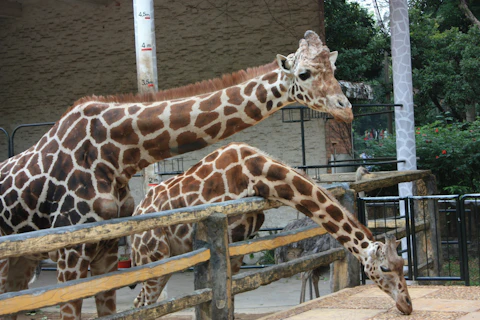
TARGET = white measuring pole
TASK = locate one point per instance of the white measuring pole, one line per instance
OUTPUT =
(147, 80)
(145, 46)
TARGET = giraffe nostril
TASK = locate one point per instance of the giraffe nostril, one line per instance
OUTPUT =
(341, 104)
(408, 301)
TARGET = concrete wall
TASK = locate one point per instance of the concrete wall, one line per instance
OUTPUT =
(59, 51)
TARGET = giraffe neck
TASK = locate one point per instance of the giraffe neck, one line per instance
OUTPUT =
(150, 132)
(322, 208)
(346, 229)
(276, 181)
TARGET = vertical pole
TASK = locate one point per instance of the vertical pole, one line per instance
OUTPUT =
(302, 129)
(403, 90)
(145, 46)
(403, 94)
(145, 49)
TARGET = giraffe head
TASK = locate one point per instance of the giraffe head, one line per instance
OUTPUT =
(310, 71)
(385, 268)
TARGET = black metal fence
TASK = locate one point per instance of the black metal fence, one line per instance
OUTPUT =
(442, 234)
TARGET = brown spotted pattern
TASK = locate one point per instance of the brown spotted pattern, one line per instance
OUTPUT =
(79, 171)
(238, 171)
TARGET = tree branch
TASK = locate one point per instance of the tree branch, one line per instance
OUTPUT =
(464, 7)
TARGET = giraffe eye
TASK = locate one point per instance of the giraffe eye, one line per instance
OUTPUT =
(305, 75)
(384, 269)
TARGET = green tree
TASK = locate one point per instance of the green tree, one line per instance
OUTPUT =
(445, 47)
(450, 150)
(351, 30)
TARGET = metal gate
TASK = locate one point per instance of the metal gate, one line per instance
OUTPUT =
(440, 235)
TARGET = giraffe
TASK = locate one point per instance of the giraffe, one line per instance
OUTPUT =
(79, 170)
(238, 171)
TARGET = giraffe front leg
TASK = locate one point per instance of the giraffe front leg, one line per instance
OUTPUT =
(72, 264)
(105, 261)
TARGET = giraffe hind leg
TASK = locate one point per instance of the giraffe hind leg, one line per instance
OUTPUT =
(72, 264)
(15, 274)
(105, 261)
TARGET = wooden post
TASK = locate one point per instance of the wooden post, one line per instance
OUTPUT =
(218, 271)
(345, 273)
(429, 246)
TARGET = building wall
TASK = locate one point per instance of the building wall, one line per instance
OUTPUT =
(60, 51)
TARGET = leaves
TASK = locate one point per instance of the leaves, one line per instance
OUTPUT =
(351, 31)
(445, 51)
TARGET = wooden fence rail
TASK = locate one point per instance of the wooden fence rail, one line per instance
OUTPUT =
(53, 239)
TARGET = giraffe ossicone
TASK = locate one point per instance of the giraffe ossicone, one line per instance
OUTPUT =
(228, 174)
(79, 170)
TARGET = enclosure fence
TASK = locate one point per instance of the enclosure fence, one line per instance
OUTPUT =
(442, 234)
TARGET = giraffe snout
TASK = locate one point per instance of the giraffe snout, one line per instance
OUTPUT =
(340, 108)
(404, 304)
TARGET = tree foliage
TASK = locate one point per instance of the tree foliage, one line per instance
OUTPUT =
(450, 150)
(445, 51)
(351, 30)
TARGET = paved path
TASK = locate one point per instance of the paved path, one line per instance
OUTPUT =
(369, 302)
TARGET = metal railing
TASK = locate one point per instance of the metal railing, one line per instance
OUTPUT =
(446, 249)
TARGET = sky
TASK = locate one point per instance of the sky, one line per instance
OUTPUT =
(382, 5)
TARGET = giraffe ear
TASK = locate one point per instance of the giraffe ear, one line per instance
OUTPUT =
(397, 243)
(333, 57)
(375, 253)
(284, 63)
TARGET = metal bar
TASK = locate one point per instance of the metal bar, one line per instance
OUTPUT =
(302, 132)
(463, 239)
(320, 166)
(361, 159)
(369, 105)
(11, 151)
(8, 141)
(414, 239)
(439, 279)
(373, 113)
(362, 218)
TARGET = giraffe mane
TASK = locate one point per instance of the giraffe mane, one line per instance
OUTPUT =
(190, 90)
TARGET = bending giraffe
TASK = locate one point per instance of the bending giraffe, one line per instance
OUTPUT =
(238, 171)
(79, 170)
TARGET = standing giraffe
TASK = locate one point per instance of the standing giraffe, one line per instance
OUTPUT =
(238, 171)
(79, 170)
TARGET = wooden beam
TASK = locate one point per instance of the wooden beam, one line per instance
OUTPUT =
(402, 232)
(388, 223)
(247, 281)
(275, 241)
(389, 180)
(32, 299)
(163, 308)
(53, 239)
(10, 9)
